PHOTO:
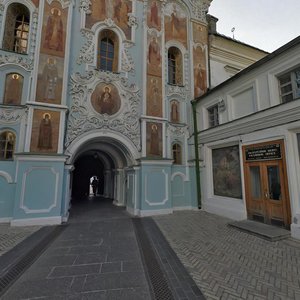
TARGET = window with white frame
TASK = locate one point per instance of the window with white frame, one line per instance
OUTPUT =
(289, 86)
(213, 116)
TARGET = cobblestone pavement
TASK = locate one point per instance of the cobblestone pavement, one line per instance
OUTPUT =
(229, 264)
(11, 236)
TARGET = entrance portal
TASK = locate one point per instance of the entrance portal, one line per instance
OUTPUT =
(99, 168)
(266, 185)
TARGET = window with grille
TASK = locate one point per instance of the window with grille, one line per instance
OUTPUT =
(16, 33)
(106, 54)
(177, 155)
(7, 145)
(213, 116)
(174, 66)
(289, 86)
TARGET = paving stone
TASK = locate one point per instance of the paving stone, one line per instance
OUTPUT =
(228, 263)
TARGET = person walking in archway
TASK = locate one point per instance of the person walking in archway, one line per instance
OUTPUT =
(94, 185)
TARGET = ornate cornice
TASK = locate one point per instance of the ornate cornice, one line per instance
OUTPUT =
(200, 9)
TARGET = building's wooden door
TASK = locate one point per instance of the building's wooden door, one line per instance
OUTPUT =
(266, 190)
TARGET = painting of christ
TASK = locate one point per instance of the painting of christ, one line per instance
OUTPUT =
(154, 139)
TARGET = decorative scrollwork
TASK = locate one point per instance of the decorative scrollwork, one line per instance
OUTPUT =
(85, 6)
(177, 130)
(12, 115)
(200, 9)
(86, 54)
(83, 119)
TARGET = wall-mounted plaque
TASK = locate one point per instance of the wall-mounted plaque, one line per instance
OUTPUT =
(267, 152)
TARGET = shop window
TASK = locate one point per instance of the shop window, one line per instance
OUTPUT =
(13, 89)
(177, 155)
(289, 86)
(16, 32)
(213, 116)
(175, 112)
(7, 145)
(108, 51)
(174, 66)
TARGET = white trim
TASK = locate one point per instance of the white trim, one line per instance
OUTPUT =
(43, 105)
(36, 221)
(5, 220)
(165, 200)
(157, 212)
(23, 190)
(180, 208)
(43, 158)
(152, 162)
(6, 176)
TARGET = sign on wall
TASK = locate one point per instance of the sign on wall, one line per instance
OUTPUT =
(267, 152)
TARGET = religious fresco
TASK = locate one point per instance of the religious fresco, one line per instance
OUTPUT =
(200, 34)
(154, 96)
(227, 172)
(175, 23)
(50, 74)
(154, 14)
(154, 139)
(54, 29)
(36, 2)
(13, 89)
(45, 131)
(117, 10)
(106, 99)
(175, 111)
(154, 57)
(200, 76)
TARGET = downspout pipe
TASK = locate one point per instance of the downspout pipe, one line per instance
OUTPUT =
(196, 143)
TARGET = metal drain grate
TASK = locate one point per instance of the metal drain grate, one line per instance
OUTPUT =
(160, 287)
(17, 268)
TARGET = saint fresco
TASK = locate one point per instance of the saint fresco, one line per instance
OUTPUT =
(154, 14)
(200, 76)
(154, 96)
(13, 89)
(154, 139)
(49, 85)
(105, 99)
(45, 131)
(175, 23)
(117, 10)
(54, 29)
(154, 61)
(175, 112)
(200, 34)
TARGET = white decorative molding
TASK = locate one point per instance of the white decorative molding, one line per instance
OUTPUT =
(164, 201)
(183, 176)
(85, 6)
(6, 176)
(177, 130)
(23, 191)
(17, 59)
(132, 20)
(36, 221)
(200, 9)
(12, 115)
(82, 119)
(87, 52)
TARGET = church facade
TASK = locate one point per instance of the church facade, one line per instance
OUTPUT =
(98, 88)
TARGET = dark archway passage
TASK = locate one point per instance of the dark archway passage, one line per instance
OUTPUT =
(87, 166)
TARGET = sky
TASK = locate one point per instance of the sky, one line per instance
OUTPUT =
(265, 24)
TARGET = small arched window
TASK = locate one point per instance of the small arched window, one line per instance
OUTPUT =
(7, 145)
(175, 112)
(107, 58)
(174, 66)
(177, 154)
(16, 32)
(13, 89)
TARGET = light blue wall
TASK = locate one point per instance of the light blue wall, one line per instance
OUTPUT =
(39, 190)
(6, 198)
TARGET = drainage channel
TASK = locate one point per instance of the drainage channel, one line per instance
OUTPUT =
(158, 282)
(15, 262)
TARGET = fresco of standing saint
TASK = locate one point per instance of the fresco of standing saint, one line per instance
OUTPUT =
(154, 15)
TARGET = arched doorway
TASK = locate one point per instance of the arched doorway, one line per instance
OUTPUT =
(105, 158)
